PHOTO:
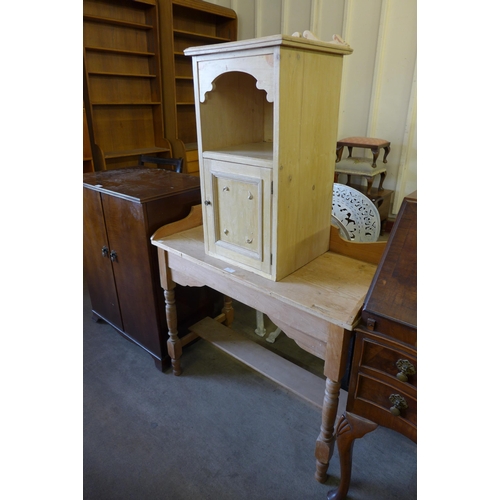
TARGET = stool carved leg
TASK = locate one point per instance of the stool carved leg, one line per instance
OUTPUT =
(387, 150)
(381, 183)
(340, 152)
(369, 184)
(349, 428)
(174, 346)
(326, 439)
(376, 152)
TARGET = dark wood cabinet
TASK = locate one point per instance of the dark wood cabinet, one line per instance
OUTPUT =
(122, 209)
(383, 380)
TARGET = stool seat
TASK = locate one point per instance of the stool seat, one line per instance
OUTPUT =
(371, 143)
(362, 167)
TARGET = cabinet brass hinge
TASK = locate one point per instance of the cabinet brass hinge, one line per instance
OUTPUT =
(271, 259)
(272, 187)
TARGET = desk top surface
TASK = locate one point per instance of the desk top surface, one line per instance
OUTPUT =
(331, 287)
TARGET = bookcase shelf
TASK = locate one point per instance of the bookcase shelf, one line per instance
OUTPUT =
(118, 51)
(122, 82)
(117, 22)
(128, 75)
(200, 36)
(187, 23)
(135, 152)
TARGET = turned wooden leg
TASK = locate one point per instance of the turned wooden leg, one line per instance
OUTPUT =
(326, 439)
(228, 311)
(174, 345)
(349, 428)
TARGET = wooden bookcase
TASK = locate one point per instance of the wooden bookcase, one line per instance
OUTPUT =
(267, 112)
(187, 23)
(88, 161)
(122, 81)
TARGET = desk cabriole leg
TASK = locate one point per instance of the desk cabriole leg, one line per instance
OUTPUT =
(326, 439)
(349, 428)
(174, 345)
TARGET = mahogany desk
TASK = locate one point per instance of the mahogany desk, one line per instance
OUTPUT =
(318, 306)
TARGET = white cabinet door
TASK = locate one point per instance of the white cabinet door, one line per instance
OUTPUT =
(238, 213)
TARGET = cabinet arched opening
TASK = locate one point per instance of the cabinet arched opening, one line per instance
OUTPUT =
(235, 111)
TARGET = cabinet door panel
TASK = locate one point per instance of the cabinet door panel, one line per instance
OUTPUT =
(98, 268)
(132, 268)
(239, 216)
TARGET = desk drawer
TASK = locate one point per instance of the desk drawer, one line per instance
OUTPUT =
(384, 358)
(382, 368)
(371, 399)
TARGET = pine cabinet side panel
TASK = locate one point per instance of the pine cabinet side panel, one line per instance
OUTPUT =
(309, 92)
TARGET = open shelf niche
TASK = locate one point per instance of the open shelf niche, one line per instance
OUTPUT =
(244, 118)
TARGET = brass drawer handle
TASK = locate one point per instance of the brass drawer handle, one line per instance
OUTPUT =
(225, 188)
(398, 403)
(249, 240)
(405, 369)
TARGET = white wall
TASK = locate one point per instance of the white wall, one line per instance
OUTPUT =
(379, 86)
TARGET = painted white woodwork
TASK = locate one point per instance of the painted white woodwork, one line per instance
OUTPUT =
(379, 81)
(266, 112)
(356, 212)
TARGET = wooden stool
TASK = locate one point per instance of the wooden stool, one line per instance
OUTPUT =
(362, 167)
(364, 142)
